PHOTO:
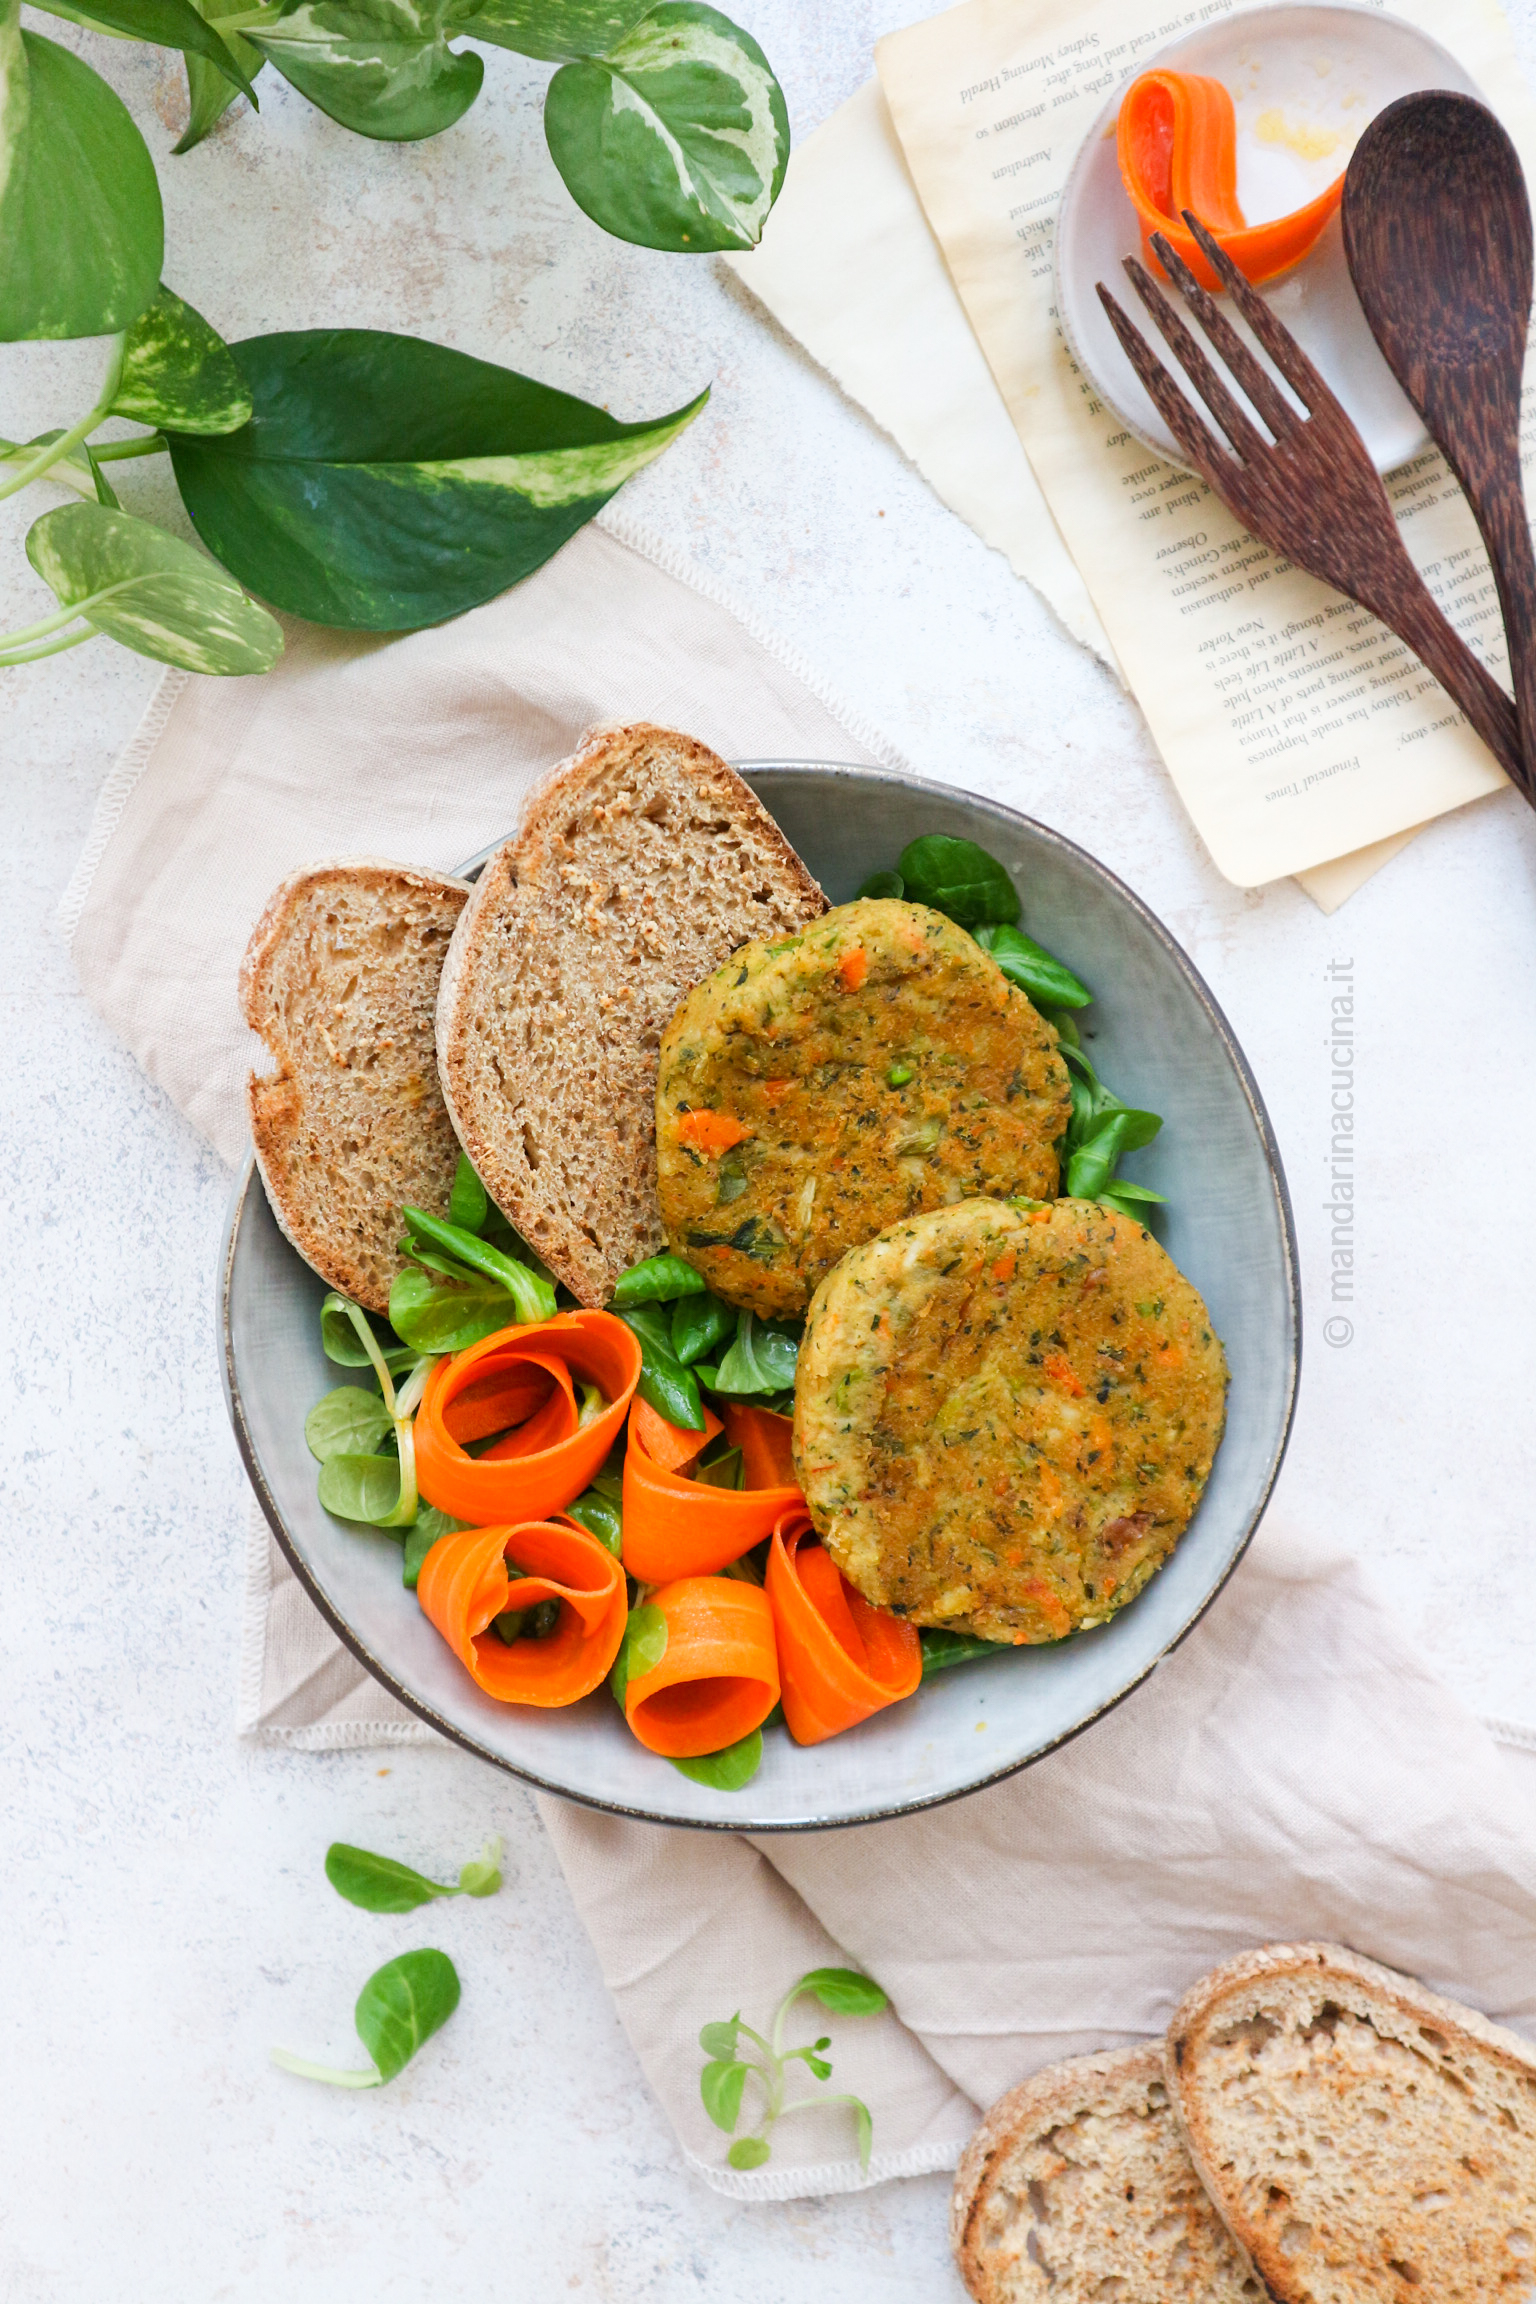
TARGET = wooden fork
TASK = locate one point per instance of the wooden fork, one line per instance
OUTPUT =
(1313, 493)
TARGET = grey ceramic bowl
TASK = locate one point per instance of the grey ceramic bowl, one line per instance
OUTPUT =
(1161, 1040)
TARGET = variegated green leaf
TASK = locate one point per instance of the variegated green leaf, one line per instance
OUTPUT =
(81, 229)
(552, 30)
(78, 469)
(381, 67)
(677, 137)
(164, 23)
(155, 594)
(177, 372)
(384, 483)
(209, 93)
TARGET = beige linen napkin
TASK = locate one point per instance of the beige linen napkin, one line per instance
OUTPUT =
(420, 749)
(1293, 1769)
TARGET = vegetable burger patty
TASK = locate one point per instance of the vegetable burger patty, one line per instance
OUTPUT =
(816, 1089)
(1004, 1419)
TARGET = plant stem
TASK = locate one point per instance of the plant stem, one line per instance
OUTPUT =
(308, 2071)
(147, 444)
(48, 647)
(77, 432)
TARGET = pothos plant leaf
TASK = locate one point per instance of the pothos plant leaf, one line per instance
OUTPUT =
(178, 371)
(164, 24)
(155, 594)
(552, 30)
(380, 67)
(384, 482)
(82, 232)
(209, 93)
(677, 136)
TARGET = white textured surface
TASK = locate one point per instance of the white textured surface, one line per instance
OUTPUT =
(165, 1914)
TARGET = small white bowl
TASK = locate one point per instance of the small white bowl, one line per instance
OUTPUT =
(1305, 83)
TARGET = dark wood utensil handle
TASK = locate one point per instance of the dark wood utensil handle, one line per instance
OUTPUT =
(1410, 611)
(1506, 527)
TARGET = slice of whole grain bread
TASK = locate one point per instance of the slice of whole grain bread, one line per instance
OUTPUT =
(641, 864)
(340, 980)
(1366, 2141)
(1077, 2187)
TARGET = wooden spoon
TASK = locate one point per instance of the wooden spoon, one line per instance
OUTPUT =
(1437, 230)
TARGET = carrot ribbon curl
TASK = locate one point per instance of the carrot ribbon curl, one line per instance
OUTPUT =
(523, 1377)
(840, 1660)
(718, 1677)
(465, 1582)
(677, 1527)
(1177, 143)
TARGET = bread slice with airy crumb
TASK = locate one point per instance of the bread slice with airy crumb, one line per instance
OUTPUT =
(1077, 2187)
(1366, 2141)
(340, 980)
(642, 863)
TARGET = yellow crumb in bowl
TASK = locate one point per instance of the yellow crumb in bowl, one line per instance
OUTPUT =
(1307, 141)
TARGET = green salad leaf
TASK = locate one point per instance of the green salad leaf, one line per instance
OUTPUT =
(960, 879)
(1039, 973)
(665, 1384)
(381, 1884)
(399, 2008)
(726, 1771)
(762, 1359)
(658, 1280)
(640, 1651)
(350, 1421)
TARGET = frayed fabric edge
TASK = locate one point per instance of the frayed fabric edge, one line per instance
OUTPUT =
(113, 798)
(828, 2176)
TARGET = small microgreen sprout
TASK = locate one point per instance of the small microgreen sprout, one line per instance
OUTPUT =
(401, 2005)
(380, 1884)
(723, 2081)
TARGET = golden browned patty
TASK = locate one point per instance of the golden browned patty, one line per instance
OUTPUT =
(815, 1089)
(1004, 1418)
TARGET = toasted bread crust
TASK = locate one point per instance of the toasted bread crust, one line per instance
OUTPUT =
(1166, 2244)
(336, 1203)
(641, 863)
(1416, 2174)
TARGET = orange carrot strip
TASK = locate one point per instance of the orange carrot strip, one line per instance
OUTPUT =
(675, 1527)
(839, 1659)
(494, 1403)
(1177, 142)
(464, 1583)
(711, 1132)
(719, 1677)
(671, 1446)
(498, 1490)
(854, 967)
(555, 1421)
(767, 1459)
